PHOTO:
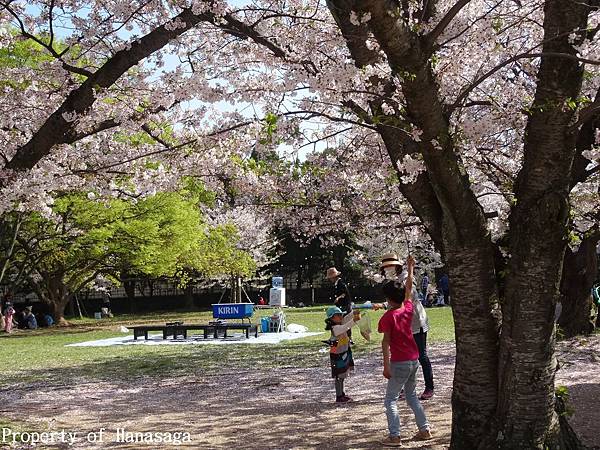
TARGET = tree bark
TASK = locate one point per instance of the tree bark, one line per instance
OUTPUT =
(579, 274)
(476, 321)
(189, 297)
(525, 417)
(55, 295)
(129, 286)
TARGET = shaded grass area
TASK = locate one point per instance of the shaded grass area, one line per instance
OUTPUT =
(40, 356)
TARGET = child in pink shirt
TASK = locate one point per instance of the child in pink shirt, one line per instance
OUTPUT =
(9, 312)
(400, 358)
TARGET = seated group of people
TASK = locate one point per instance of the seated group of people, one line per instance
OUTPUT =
(24, 319)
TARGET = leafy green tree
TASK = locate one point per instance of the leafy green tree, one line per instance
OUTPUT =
(160, 236)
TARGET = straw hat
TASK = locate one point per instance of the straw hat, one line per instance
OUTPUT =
(389, 259)
(332, 272)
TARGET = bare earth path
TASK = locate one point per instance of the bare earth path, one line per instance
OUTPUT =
(286, 408)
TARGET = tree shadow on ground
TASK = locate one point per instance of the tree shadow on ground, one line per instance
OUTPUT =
(221, 406)
(585, 414)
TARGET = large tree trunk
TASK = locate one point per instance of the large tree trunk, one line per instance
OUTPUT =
(56, 297)
(474, 392)
(189, 297)
(129, 286)
(579, 274)
(527, 364)
(538, 236)
(57, 310)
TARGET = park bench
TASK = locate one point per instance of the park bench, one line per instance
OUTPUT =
(182, 329)
(167, 330)
(215, 328)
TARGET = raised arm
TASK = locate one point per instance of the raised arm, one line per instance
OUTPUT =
(408, 285)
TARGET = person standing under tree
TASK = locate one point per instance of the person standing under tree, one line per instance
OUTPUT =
(341, 295)
(9, 312)
(444, 284)
(391, 269)
(106, 311)
(400, 358)
(340, 352)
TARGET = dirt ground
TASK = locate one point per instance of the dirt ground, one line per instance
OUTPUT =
(286, 408)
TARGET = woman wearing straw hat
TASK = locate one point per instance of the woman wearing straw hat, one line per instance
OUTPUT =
(391, 269)
(341, 295)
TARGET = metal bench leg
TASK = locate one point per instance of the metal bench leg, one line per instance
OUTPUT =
(146, 335)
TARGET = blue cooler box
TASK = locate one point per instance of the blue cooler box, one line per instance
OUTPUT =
(264, 324)
(233, 310)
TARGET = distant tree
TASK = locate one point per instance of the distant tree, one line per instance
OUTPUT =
(307, 260)
(160, 236)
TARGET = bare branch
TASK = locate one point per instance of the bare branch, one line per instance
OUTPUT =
(432, 36)
(465, 93)
(48, 46)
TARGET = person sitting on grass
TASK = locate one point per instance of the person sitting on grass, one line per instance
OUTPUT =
(340, 352)
(400, 358)
(29, 320)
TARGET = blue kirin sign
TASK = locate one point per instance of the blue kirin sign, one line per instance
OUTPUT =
(232, 310)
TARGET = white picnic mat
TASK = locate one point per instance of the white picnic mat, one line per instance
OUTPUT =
(156, 339)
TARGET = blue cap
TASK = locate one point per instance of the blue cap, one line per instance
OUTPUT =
(332, 310)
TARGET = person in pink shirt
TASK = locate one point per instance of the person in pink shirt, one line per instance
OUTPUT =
(400, 358)
(9, 312)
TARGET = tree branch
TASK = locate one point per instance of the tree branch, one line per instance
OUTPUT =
(432, 36)
(62, 122)
(465, 93)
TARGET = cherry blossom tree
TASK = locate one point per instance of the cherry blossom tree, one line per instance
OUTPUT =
(470, 107)
(424, 107)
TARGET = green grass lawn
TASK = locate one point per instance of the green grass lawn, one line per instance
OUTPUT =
(40, 356)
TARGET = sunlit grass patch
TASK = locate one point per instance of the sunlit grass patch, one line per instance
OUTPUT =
(41, 356)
